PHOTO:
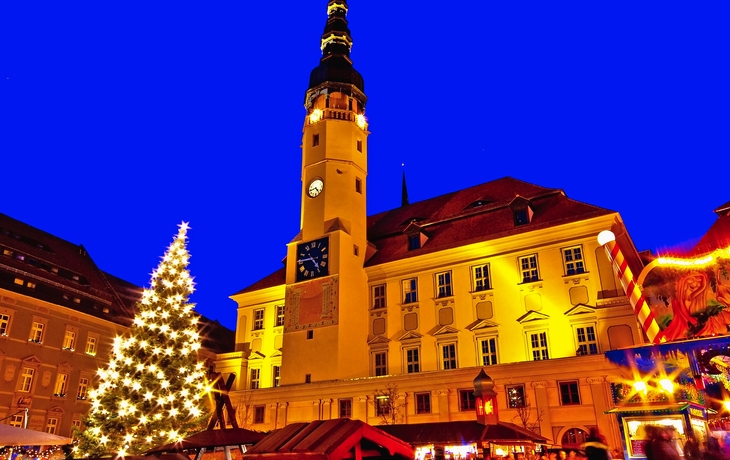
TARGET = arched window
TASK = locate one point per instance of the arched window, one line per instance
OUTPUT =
(574, 437)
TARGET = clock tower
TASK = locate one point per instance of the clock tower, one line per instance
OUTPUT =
(326, 286)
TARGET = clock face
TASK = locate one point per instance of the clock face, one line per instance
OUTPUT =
(312, 259)
(315, 187)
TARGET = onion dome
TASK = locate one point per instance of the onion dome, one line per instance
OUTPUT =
(483, 383)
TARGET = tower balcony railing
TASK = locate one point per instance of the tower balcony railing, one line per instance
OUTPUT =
(317, 115)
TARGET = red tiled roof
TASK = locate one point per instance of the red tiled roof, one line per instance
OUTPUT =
(331, 440)
(455, 219)
(450, 221)
(461, 432)
(40, 256)
(54, 263)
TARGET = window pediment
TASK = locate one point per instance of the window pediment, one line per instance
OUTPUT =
(445, 331)
(378, 340)
(410, 335)
(256, 355)
(32, 361)
(532, 316)
(482, 324)
(580, 309)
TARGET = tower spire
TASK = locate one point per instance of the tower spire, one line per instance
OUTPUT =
(404, 190)
(335, 71)
(336, 39)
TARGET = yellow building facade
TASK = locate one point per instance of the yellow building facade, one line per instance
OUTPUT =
(391, 317)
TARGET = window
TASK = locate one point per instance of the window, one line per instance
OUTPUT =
(276, 372)
(488, 349)
(307, 378)
(83, 392)
(522, 217)
(423, 403)
(310, 334)
(410, 290)
(528, 267)
(448, 356)
(30, 285)
(482, 281)
(17, 421)
(573, 260)
(587, 342)
(382, 405)
(358, 185)
(538, 344)
(359, 145)
(51, 425)
(91, 342)
(255, 378)
(345, 408)
(19, 281)
(574, 436)
(279, 315)
(467, 401)
(258, 414)
(4, 324)
(378, 296)
(443, 284)
(380, 363)
(258, 319)
(315, 140)
(414, 242)
(413, 361)
(26, 379)
(515, 396)
(60, 389)
(69, 340)
(75, 423)
(36, 332)
(569, 393)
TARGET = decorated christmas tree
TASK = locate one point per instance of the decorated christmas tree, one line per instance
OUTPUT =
(153, 390)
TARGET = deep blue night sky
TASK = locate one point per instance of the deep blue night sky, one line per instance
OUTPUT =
(118, 120)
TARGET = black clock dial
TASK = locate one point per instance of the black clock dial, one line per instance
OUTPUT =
(312, 259)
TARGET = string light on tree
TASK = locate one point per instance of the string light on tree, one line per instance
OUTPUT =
(153, 386)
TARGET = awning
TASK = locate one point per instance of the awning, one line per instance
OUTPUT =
(650, 408)
(14, 436)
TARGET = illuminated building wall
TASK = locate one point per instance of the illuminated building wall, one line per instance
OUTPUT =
(505, 275)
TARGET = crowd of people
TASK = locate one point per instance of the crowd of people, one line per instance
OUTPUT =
(661, 444)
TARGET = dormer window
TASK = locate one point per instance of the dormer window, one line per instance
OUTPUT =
(414, 242)
(521, 217)
(521, 211)
(478, 204)
(416, 237)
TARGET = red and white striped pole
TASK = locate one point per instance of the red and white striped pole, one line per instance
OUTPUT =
(641, 309)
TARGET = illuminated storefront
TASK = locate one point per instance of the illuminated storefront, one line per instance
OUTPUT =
(484, 437)
(675, 384)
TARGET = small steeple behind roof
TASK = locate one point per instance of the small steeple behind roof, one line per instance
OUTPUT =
(404, 191)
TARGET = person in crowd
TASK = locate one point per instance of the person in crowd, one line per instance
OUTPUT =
(692, 449)
(663, 446)
(596, 447)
